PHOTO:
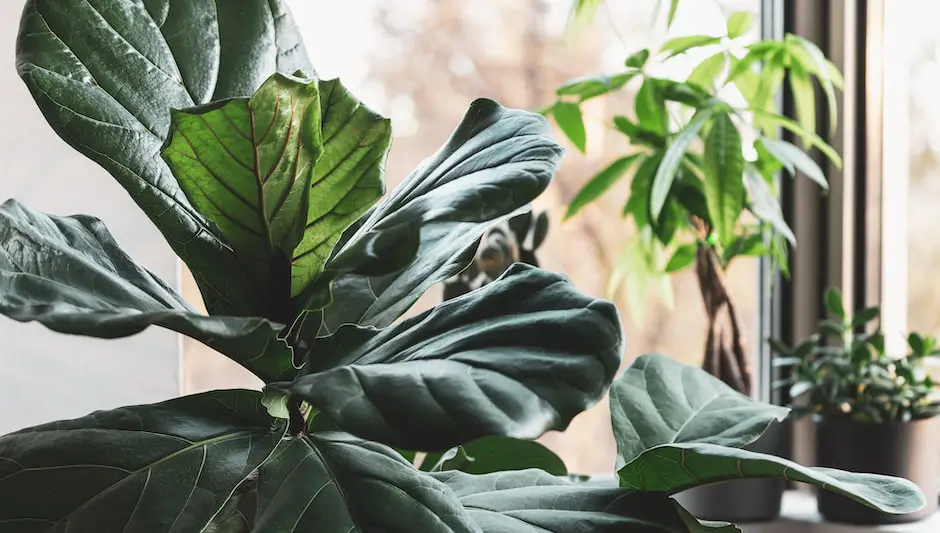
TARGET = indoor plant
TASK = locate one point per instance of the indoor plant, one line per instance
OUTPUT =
(262, 182)
(702, 205)
(858, 393)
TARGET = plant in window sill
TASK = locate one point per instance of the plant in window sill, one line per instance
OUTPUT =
(704, 168)
(855, 391)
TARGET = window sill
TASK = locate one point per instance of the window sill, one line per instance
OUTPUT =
(799, 516)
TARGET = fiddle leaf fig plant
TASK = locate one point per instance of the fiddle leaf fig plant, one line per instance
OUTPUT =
(677, 427)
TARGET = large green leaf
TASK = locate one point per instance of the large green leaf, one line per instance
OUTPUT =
(660, 401)
(518, 357)
(333, 483)
(162, 467)
(673, 468)
(532, 500)
(496, 162)
(106, 73)
(724, 176)
(69, 274)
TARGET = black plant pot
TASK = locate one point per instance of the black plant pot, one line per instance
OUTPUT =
(905, 449)
(742, 501)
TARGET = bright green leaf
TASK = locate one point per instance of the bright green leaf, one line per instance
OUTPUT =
(828, 75)
(739, 23)
(834, 304)
(673, 7)
(679, 45)
(600, 183)
(568, 117)
(724, 176)
(804, 98)
(637, 59)
(705, 75)
(801, 132)
(667, 171)
(683, 257)
(588, 87)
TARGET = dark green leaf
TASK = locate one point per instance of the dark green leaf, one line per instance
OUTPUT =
(739, 23)
(108, 92)
(689, 193)
(916, 342)
(650, 108)
(497, 161)
(801, 132)
(638, 201)
(638, 135)
(696, 464)
(600, 183)
(834, 303)
(637, 59)
(764, 204)
(792, 157)
(672, 159)
(660, 401)
(865, 316)
(779, 347)
(69, 274)
(748, 245)
(683, 257)
(568, 117)
(724, 182)
(705, 75)
(161, 467)
(685, 93)
(679, 45)
(531, 500)
(481, 364)
(502, 454)
(332, 482)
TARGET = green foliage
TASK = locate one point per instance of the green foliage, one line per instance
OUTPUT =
(843, 370)
(729, 156)
(670, 446)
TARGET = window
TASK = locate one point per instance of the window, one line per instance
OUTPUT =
(422, 65)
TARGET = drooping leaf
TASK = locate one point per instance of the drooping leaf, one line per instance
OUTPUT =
(637, 59)
(793, 158)
(163, 467)
(813, 60)
(69, 274)
(705, 75)
(686, 465)
(568, 117)
(496, 162)
(502, 454)
(638, 201)
(673, 7)
(682, 92)
(764, 204)
(332, 482)
(724, 176)
(834, 303)
(587, 87)
(531, 500)
(739, 23)
(518, 357)
(801, 132)
(680, 45)
(660, 401)
(108, 90)
(672, 159)
(600, 183)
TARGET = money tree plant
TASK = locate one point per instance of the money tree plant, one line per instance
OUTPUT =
(704, 153)
(268, 182)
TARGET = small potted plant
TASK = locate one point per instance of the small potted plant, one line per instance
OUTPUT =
(705, 153)
(873, 411)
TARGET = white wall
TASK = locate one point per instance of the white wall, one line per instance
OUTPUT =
(43, 375)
